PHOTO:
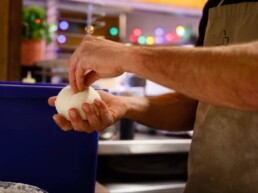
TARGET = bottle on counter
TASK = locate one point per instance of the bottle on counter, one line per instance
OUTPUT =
(29, 78)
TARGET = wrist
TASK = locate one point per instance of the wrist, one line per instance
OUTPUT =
(125, 105)
(131, 59)
(134, 106)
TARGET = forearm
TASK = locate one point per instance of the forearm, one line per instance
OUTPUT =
(172, 111)
(225, 76)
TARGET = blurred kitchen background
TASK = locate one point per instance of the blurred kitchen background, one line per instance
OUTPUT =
(132, 157)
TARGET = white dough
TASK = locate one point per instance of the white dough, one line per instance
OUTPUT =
(66, 100)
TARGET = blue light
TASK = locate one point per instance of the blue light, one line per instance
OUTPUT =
(63, 25)
(61, 39)
(159, 31)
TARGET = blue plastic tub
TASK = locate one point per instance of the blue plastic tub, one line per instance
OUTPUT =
(35, 151)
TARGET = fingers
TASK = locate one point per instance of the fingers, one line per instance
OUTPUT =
(72, 68)
(95, 122)
(98, 120)
(79, 76)
(77, 69)
(77, 123)
(104, 95)
(104, 113)
(93, 119)
(90, 78)
(51, 101)
(62, 123)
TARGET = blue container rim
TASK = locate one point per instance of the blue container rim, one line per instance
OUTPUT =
(25, 90)
(21, 90)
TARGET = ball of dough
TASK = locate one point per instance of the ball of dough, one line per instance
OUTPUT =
(66, 99)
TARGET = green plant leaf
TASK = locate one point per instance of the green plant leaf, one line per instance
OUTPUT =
(32, 29)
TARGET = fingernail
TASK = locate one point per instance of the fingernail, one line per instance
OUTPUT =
(86, 108)
(97, 102)
(72, 113)
(55, 118)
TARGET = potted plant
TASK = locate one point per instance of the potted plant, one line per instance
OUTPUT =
(35, 35)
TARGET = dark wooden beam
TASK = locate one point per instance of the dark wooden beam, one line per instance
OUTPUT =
(10, 40)
(4, 43)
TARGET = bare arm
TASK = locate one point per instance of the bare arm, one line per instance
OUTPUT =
(172, 111)
(225, 76)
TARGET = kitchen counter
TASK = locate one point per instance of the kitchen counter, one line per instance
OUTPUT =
(153, 187)
(143, 149)
(145, 144)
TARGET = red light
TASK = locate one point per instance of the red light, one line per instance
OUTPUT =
(133, 38)
(37, 21)
(173, 37)
(137, 32)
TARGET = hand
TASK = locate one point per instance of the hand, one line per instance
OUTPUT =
(98, 58)
(110, 109)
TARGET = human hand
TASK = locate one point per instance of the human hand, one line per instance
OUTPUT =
(98, 58)
(110, 109)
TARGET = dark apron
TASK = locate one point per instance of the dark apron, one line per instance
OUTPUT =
(224, 152)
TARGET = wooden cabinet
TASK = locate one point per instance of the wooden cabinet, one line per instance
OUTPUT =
(10, 39)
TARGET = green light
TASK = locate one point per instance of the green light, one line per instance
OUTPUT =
(113, 31)
(142, 40)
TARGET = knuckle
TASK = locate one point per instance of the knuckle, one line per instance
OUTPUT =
(66, 128)
(89, 131)
(80, 129)
(95, 124)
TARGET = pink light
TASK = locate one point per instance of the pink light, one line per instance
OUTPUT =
(133, 38)
(137, 32)
(170, 37)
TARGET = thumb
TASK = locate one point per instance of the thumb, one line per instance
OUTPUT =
(104, 94)
(51, 101)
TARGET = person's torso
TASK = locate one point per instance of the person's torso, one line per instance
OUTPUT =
(224, 150)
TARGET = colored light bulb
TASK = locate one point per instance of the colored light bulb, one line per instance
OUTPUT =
(159, 31)
(63, 25)
(61, 39)
(137, 32)
(159, 40)
(37, 21)
(113, 31)
(142, 40)
(180, 30)
(150, 40)
(92, 29)
(133, 38)
(170, 37)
